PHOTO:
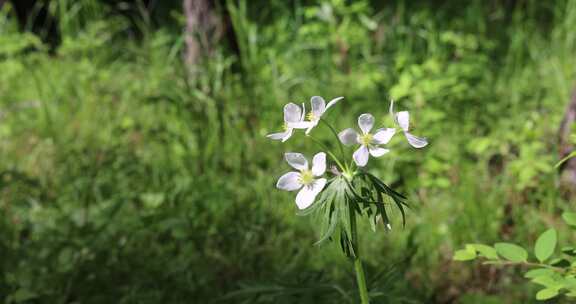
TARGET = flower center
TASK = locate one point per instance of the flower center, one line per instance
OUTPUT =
(306, 177)
(366, 139)
(285, 126)
(311, 116)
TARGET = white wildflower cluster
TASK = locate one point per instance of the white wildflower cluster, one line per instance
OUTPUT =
(352, 191)
(308, 180)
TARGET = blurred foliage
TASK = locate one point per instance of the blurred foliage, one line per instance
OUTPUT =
(125, 179)
(556, 276)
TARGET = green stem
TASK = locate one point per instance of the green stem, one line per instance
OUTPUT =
(324, 147)
(529, 264)
(573, 154)
(360, 277)
(335, 135)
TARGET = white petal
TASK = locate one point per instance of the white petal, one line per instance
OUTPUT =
(307, 194)
(403, 120)
(383, 136)
(276, 136)
(300, 124)
(333, 102)
(319, 164)
(289, 181)
(318, 105)
(296, 160)
(366, 122)
(348, 137)
(377, 151)
(288, 134)
(361, 156)
(292, 112)
(415, 141)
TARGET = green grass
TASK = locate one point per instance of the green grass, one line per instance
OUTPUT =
(124, 179)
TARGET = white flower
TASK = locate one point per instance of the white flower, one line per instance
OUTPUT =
(369, 143)
(319, 107)
(304, 179)
(402, 119)
(292, 114)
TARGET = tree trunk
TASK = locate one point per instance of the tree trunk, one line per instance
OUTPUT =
(568, 169)
(202, 30)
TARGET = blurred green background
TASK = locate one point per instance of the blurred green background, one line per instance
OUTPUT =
(129, 176)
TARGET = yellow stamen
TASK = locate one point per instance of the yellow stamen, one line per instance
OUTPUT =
(306, 177)
(366, 139)
(311, 116)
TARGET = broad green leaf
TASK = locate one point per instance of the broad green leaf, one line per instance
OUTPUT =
(546, 294)
(545, 245)
(534, 273)
(548, 281)
(511, 252)
(486, 251)
(464, 255)
(569, 218)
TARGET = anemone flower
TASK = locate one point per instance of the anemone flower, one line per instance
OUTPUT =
(292, 114)
(305, 179)
(319, 107)
(369, 143)
(402, 118)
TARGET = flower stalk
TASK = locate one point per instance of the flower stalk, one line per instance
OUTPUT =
(360, 277)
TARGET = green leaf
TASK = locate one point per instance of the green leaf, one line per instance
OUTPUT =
(464, 255)
(486, 251)
(546, 294)
(511, 252)
(331, 215)
(570, 282)
(534, 273)
(563, 263)
(569, 250)
(545, 245)
(569, 218)
(549, 281)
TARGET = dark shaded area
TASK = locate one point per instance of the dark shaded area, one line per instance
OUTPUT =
(33, 15)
